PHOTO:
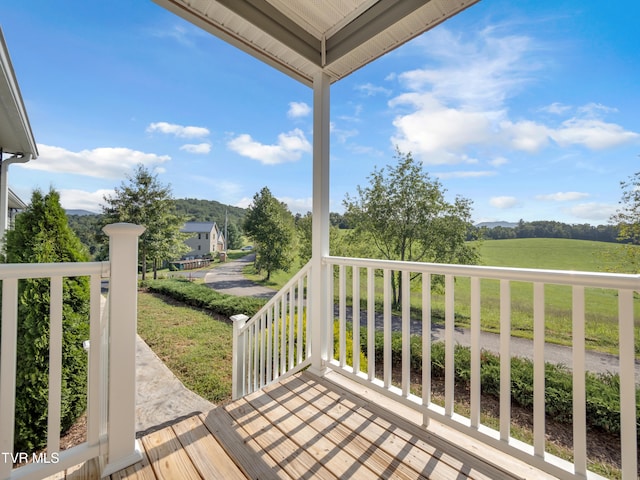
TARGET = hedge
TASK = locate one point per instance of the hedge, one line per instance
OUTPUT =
(201, 296)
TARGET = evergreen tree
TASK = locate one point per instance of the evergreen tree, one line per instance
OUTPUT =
(270, 224)
(143, 200)
(42, 235)
(234, 240)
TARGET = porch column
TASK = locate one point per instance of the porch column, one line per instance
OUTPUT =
(123, 449)
(319, 315)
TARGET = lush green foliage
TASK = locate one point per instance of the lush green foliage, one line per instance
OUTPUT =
(549, 229)
(201, 296)
(603, 391)
(270, 224)
(403, 215)
(42, 235)
(144, 201)
(628, 219)
(196, 210)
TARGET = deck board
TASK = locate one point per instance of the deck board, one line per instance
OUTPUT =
(303, 427)
(201, 447)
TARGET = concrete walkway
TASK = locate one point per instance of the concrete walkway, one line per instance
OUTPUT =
(160, 397)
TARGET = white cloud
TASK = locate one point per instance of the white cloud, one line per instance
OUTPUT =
(298, 110)
(556, 108)
(562, 196)
(592, 133)
(72, 199)
(503, 202)
(297, 205)
(178, 130)
(290, 147)
(371, 90)
(106, 162)
(596, 212)
(498, 161)
(244, 202)
(478, 72)
(526, 135)
(435, 133)
(198, 148)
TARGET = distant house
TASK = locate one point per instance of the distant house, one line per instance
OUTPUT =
(15, 205)
(205, 238)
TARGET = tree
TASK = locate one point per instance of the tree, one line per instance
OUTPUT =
(303, 227)
(627, 218)
(403, 215)
(42, 235)
(143, 200)
(234, 240)
(270, 224)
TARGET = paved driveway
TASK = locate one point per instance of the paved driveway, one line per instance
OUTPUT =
(228, 278)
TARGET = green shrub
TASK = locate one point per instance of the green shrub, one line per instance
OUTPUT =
(42, 235)
(603, 391)
(201, 296)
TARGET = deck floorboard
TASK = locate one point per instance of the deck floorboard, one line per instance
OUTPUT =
(302, 427)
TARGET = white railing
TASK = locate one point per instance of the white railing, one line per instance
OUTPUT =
(110, 400)
(276, 341)
(365, 282)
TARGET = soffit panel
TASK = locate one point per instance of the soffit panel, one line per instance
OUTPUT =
(302, 37)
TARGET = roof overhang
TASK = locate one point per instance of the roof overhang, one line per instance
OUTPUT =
(15, 202)
(303, 37)
(16, 136)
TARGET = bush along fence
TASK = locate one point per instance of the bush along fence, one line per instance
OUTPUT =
(603, 390)
(603, 397)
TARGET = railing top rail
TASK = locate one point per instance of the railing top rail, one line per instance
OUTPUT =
(43, 270)
(276, 298)
(562, 277)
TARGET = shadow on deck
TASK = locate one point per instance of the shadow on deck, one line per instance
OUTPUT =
(307, 427)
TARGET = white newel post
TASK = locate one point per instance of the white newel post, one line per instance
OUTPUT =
(318, 314)
(238, 374)
(123, 449)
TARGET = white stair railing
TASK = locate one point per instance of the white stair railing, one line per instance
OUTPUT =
(371, 307)
(276, 341)
(110, 398)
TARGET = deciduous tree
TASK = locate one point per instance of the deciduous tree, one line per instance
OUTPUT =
(403, 215)
(627, 217)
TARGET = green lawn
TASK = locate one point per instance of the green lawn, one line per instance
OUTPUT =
(194, 344)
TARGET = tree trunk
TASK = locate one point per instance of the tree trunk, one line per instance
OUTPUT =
(144, 265)
(155, 268)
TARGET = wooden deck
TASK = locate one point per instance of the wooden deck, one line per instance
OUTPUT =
(301, 428)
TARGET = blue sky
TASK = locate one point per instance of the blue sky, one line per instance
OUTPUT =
(529, 108)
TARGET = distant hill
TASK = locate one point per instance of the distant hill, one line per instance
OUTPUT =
(497, 224)
(80, 213)
(196, 210)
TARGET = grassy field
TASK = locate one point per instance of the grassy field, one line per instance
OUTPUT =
(540, 253)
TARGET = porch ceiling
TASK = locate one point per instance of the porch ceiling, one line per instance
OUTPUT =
(301, 37)
(15, 131)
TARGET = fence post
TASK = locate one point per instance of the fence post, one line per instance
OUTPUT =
(123, 449)
(238, 361)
